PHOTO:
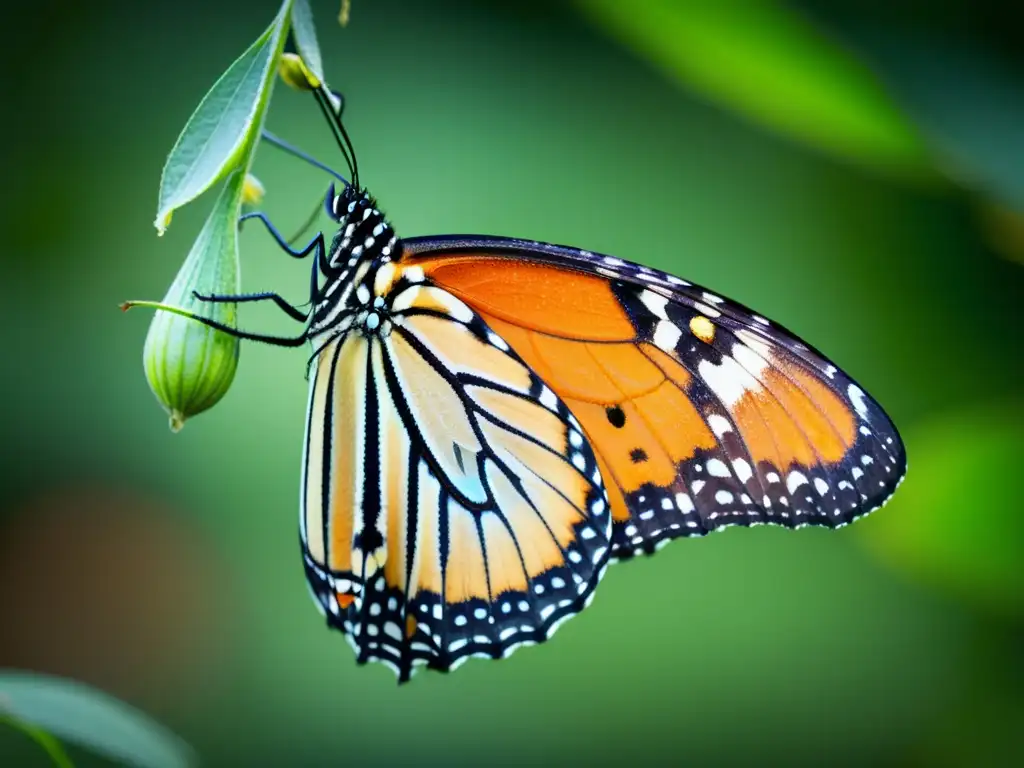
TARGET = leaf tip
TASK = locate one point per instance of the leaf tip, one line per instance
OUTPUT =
(162, 222)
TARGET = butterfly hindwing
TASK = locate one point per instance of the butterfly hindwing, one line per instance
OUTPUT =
(451, 506)
(701, 413)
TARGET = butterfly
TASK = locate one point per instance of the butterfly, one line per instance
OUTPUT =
(493, 421)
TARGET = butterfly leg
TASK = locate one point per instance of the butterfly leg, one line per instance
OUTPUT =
(311, 246)
(284, 306)
(320, 262)
(277, 341)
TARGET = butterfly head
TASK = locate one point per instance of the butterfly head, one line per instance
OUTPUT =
(359, 269)
(364, 233)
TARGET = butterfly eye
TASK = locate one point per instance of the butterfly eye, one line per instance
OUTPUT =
(331, 202)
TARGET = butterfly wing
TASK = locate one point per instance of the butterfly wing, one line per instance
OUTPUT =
(451, 505)
(701, 413)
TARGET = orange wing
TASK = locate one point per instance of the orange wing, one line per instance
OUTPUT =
(701, 414)
(451, 505)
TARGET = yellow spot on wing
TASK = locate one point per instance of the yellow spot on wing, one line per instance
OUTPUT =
(702, 328)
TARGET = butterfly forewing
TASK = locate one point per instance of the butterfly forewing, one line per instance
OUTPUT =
(452, 505)
(701, 413)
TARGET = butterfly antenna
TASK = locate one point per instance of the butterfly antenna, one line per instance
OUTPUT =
(323, 98)
(291, 149)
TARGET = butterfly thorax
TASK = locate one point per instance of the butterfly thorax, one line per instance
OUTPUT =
(353, 292)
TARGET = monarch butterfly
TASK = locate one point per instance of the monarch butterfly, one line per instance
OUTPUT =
(492, 421)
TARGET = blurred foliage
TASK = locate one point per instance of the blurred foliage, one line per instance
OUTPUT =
(955, 78)
(898, 99)
(46, 742)
(968, 102)
(1004, 228)
(83, 715)
(765, 61)
(960, 527)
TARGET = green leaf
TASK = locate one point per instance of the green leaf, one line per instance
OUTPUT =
(955, 523)
(1003, 227)
(304, 34)
(771, 65)
(967, 101)
(190, 366)
(93, 719)
(225, 127)
(47, 743)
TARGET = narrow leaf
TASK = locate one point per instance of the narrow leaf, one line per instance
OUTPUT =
(190, 366)
(224, 125)
(769, 64)
(83, 715)
(304, 34)
(46, 742)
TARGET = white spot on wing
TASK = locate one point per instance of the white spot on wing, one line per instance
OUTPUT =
(548, 399)
(795, 480)
(405, 299)
(754, 363)
(655, 302)
(666, 335)
(717, 468)
(729, 381)
(497, 341)
(705, 310)
(719, 424)
(857, 398)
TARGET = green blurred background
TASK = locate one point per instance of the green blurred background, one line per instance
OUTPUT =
(881, 220)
